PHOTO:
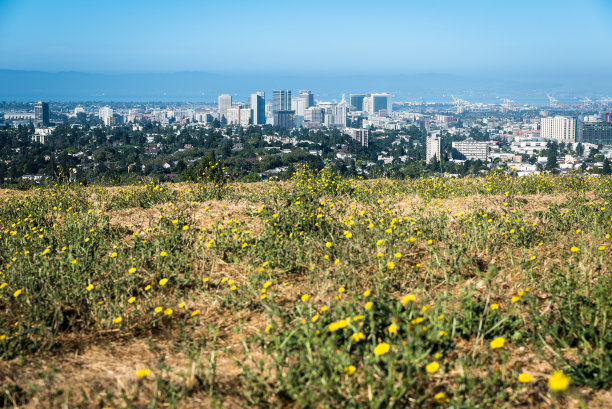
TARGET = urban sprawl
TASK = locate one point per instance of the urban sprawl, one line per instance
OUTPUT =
(367, 135)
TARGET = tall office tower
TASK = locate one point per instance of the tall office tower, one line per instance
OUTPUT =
(281, 100)
(433, 147)
(380, 102)
(356, 102)
(224, 103)
(559, 128)
(298, 105)
(308, 98)
(257, 102)
(41, 113)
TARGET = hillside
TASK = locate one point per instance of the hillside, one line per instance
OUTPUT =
(315, 292)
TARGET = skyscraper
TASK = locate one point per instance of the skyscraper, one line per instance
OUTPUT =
(224, 103)
(380, 102)
(356, 101)
(41, 113)
(281, 100)
(257, 102)
(308, 98)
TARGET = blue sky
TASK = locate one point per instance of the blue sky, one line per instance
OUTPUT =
(322, 37)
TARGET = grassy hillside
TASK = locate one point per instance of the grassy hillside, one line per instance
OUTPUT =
(316, 292)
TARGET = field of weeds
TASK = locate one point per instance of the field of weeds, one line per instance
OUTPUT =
(315, 292)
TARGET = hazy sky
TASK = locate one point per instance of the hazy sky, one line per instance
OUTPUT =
(308, 36)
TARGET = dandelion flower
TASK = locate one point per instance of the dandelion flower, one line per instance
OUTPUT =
(132, 270)
(558, 381)
(392, 329)
(432, 367)
(142, 373)
(158, 309)
(17, 293)
(89, 287)
(117, 320)
(131, 300)
(349, 370)
(163, 281)
(441, 398)
(497, 343)
(367, 293)
(574, 249)
(381, 349)
(390, 265)
(305, 297)
(168, 311)
(195, 313)
(163, 254)
(525, 378)
(335, 326)
(494, 306)
(368, 305)
(358, 336)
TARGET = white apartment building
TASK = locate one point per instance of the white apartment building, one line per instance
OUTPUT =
(472, 150)
(238, 116)
(434, 143)
(559, 128)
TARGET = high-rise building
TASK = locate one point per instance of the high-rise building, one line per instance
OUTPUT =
(380, 102)
(471, 150)
(599, 132)
(257, 102)
(224, 103)
(238, 116)
(432, 150)
(106, 115)
(284, 119)
(356, 102)
(559, 128)
(41, 113)
(298, 105)
(281, 100)
(314, 114)
(308, 98)
(341, 112)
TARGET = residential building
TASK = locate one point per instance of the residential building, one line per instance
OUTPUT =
(106, 115)
(238, 116)
(360, 135)
(558, 128)
(432, 152)
(471, 150)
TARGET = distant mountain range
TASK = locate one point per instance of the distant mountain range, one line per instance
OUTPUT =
(18, 85)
